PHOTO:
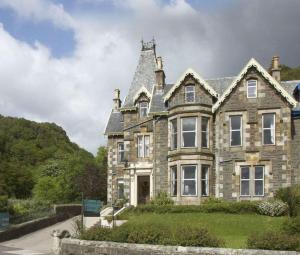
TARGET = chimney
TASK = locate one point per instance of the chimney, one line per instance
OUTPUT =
(275, 68)
(160, 74)
(117, 101)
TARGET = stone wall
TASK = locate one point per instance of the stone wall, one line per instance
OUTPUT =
(78, 247)
(295, 151)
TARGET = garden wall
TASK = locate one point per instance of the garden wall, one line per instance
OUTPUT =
(62, 212)
(78, 247)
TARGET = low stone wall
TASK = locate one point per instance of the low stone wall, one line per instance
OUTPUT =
(62, 212)
(79, 247)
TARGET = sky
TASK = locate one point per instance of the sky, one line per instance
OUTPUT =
(62, 59)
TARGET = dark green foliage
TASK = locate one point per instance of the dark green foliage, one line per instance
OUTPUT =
(288, 73)
(3, 203)
(274, 240)
(292, 226)
(39, 160)
(226, 207)
(149, 233)
(291, 196)
(162, 199)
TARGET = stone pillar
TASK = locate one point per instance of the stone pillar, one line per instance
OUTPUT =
(57, 238)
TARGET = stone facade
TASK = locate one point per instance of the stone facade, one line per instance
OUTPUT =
(182, 143)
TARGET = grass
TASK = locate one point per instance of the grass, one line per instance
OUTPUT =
(234, 229)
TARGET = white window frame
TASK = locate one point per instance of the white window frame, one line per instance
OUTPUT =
(119, 181)
(196, 180)
(248, 86)
(174, 181)
(142, 153)
(249, 181)
(121, 151)
(142, 108)
(234, 130)
(206, 132)
(189, 92)
(263, 128)
(263, 181)
(206, 179)
(182, 132)
(173, 134)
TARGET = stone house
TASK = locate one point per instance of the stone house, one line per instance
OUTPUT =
(236, 138)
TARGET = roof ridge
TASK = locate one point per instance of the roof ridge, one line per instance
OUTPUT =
(220, 78)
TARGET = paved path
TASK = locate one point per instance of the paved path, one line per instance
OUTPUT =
(36, 243)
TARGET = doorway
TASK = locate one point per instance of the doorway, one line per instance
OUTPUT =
(143, 191)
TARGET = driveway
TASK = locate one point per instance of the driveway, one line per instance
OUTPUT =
(36, 243)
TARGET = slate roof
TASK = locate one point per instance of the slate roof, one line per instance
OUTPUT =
(115, 123)
(290, 86)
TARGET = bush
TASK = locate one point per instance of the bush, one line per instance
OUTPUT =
(274, 240)
(162, 199)
(147, 233)
(3, 203)
(272, 208)
(291, 196)
(292, 226)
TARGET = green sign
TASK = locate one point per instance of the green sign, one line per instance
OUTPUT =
(92, 207)
(4, 220)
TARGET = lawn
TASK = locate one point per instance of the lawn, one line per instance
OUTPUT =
(234, 229)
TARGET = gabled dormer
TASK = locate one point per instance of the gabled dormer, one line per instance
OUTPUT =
(141, 101)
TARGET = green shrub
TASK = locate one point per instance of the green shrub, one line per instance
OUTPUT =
(212, 200)
(291, 196)
(274, 240)
(148, 233)
(162, 199)
(292, 226)
(272, 208)
(3, 203)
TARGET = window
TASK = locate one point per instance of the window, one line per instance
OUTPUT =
(252, 88)
(174, 181)
(189, 180)
(259, 181)
(190, 94)
(143, 109)
(235, 130)
(204, 132)
(174, 134)
(268, 120)
(143, 146)
(252, 181)
(120, 189)
(245, 181)
(121, 152)
(204, 180)
(188, 127)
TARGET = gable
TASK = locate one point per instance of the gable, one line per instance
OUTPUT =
(254, 64)
(198, 79)
(143, 92)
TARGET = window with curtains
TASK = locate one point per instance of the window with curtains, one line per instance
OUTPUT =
(121, 152)
(188, 132)
(204, 132)
(236, 130)
(174, 181)
(174, 134)
(189, 180)
(268, 126)
(143, 109)
(252, 88)
(190, 94)
(204, 180)
(252, 181)
(143, 146)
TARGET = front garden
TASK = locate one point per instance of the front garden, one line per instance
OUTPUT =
(259, 225)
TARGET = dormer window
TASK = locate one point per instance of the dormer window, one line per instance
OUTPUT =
(143, 109)
(252, 89)
(190, 94)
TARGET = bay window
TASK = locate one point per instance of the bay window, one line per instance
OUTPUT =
(204, 132)
(143, 146)
(235, 130)
(204, 180)
(190, 94)
(173, 134)
(189, 180)
(121, 152)
(188, 132)
(174, 181)
(251, 88)
(268, 126)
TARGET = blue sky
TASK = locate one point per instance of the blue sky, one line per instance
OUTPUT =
(62, 59)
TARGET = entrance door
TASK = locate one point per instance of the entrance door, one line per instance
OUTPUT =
(143, 191)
